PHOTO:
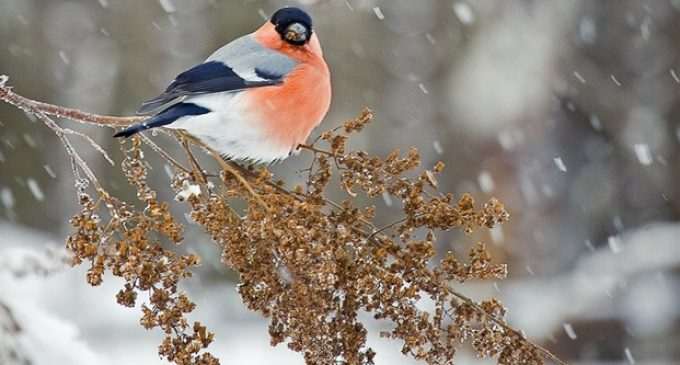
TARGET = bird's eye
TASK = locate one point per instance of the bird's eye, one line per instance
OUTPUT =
(296, 33)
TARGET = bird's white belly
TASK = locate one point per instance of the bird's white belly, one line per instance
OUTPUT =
(230, 130)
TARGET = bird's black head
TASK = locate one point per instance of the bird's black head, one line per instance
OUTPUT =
(293, 24)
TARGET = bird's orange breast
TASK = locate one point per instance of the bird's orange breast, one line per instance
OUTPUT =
(288, 112)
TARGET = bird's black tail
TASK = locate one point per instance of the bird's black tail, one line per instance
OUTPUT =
(165, 117)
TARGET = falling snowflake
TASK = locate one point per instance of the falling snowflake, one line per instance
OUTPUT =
(629, 356)
(643, 154)
(579, 77)
(438, 147)
(387, 199)
(378, 13)
(464, 12)
(560, 164)
(35, 189)
(569, 329)
(168, 6)
(485, 181)
(7, 198)
(614, 244)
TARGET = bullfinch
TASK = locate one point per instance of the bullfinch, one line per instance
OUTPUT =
(256, 98)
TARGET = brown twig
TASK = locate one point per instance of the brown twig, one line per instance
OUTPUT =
(197, 171)
(163, 154)
(317, 150)
(547, 354)
(388, 226)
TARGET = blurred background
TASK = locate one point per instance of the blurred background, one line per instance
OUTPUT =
(565, 110)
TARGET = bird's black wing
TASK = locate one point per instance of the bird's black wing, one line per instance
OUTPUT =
(209, 77)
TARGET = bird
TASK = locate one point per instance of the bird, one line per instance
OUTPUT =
(255, 99)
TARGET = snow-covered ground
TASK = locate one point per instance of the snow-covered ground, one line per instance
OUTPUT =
(62, 320)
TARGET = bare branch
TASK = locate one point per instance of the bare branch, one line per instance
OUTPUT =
(33, 106)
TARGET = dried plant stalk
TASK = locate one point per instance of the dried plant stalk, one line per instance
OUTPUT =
(307, 263)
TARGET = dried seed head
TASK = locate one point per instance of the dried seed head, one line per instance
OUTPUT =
(308, 264)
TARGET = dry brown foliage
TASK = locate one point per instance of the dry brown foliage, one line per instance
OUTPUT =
(310, 265)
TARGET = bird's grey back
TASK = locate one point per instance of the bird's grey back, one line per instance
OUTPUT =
(245, 55)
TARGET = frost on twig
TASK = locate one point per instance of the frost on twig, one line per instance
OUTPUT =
(92, 143)
(308, 263)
